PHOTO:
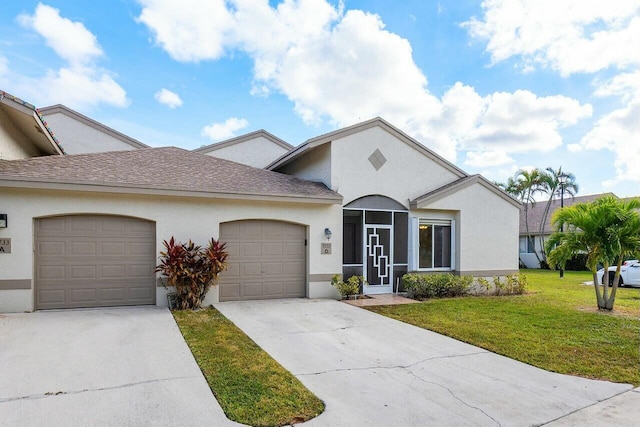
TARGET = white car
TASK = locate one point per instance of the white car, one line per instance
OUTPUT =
(629, 273)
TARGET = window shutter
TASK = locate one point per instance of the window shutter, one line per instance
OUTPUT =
(413, 244)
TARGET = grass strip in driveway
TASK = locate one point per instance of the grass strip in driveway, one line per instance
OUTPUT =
(555, 326)
(251, 387)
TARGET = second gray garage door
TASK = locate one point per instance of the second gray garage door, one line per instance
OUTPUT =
(94, 261)
(266, 260)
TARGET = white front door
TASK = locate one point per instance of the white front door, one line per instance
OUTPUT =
(379, 264)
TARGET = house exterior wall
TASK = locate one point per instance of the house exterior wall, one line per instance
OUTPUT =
(183, 218)
(487, 227)
(14, 144)
(406, 174)
(257, 152)
(313, 166)
(78, 138)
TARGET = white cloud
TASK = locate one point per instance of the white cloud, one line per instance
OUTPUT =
(342, 67)
(80, 83)
(618, 130)
(487, 158)
(70, 40)
(224, 130)
(570, 36)
(188, 30)
(168, 98)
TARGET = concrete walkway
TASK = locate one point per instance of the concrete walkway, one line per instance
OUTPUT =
(375, 371)
(101, 367)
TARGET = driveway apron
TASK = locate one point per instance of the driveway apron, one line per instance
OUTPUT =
(375, 371)
(101, 367)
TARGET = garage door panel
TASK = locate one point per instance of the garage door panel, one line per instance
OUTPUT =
(51, 248)
(273, 249)
(251, 269)
(251, 249)
(273, 269)
(82, 249)
(102, 264)
(267, 259)
(252, 289)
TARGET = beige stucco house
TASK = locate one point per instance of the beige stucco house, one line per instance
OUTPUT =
(86, 230)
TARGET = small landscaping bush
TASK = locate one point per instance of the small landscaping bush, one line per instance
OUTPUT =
(192, 269)
(420, 286)
(513, 284)
(350, 287)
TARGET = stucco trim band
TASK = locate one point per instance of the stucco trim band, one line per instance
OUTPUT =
(12, 284)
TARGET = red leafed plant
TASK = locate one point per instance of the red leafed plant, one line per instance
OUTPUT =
(192, 269)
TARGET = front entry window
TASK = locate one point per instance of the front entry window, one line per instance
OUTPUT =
(434, 245)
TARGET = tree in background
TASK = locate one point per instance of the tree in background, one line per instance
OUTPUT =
(550, 185)
(528, 183)
(606, 230)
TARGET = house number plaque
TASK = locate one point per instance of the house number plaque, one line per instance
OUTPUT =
(5, 245)
(325, 248)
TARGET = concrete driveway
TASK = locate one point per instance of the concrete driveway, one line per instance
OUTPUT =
(375, 371)
(101, 367)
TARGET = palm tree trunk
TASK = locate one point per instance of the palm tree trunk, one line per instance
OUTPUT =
(526, 225)
(545, 214)
(597, 289)
(616, 280)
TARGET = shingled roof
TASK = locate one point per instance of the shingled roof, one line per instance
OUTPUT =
(536, 210)
(168, 170)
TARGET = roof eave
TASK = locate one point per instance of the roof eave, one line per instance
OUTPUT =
(12, 182)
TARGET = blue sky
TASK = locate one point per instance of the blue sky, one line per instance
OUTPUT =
(492, 86)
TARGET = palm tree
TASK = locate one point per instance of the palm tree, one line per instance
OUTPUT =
(607, 230)
(550, 184)
(529, 183)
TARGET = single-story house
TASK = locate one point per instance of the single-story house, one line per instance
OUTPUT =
(530, 249)
(86, 230)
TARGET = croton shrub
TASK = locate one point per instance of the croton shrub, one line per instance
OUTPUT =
(192, 269)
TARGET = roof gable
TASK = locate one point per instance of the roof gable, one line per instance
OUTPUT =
(68, 112)
(312, 143)
(31, 123)
(243, 138)
(170, 170)
(455, 186)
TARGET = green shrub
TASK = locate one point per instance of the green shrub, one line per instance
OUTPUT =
(350, 287)
(514, 284)
(420, 286)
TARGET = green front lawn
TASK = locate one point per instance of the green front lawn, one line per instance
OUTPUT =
(555, 326)
(251, 387)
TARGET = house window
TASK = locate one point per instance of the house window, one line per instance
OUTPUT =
(434, 240)
(527, 245)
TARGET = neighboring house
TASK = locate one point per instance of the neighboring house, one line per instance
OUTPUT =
(23, 132)
(86, 230)
(80, 134)
(257, 149)
(532, 243)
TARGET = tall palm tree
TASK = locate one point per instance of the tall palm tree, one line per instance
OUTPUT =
(550, 185)
(607, 230)
(529, 183)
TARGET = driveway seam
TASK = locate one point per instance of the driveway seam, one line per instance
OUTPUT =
(411, 365)
(58, 393)
(585, 407)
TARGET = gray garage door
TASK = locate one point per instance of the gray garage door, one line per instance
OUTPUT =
(94, 261)
(266, 260)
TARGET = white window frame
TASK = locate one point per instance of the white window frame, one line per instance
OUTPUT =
(414, 242)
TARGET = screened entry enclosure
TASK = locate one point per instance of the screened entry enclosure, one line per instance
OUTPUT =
(375, 242)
